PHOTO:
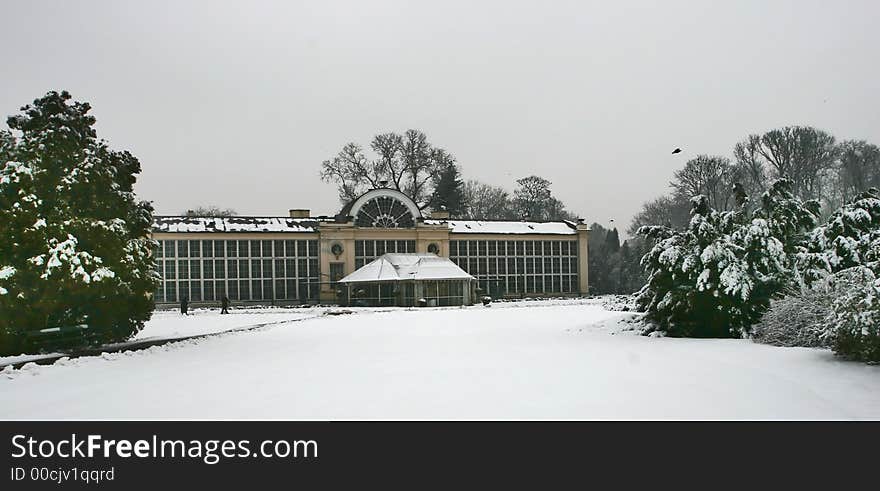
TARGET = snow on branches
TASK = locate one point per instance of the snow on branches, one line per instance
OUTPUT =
(716, 277)
(76, 241)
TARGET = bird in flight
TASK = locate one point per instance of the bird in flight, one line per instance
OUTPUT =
(677, 150)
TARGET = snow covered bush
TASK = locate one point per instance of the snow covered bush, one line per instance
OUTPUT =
(833, 303)
(850, 237)
(717, 277)
(854, 327)
(76, 246)
(801, 318)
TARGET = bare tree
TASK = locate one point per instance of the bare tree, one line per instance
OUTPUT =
(749, 167)
(407, 163)
(532, 196)
(487, 202)
(671, 211)
(803, 154)
(210, 211)
(858, 168)
(711, 176)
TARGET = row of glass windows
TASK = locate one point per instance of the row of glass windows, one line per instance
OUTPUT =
(497, 286)
(458, 248)
(239, 279)
(516, 265)
(366, 251)
(237, 248)
(505, 267)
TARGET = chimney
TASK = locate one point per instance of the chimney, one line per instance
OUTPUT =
(440, 215)
(299, 213)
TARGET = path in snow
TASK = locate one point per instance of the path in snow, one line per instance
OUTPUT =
(542, 362)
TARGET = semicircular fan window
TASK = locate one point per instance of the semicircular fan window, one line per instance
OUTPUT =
(384, 212)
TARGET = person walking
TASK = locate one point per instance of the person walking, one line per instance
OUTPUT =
(183, 305)
(225, 303)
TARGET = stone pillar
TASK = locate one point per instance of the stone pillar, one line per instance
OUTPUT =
(583, 233)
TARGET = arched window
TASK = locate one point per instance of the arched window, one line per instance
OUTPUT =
(384, 212)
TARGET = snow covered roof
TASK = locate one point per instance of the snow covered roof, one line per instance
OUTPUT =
(234, 224)
(509, 227)
(397, 267)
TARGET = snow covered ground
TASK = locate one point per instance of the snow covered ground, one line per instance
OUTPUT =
(171, 324)
(517, 360)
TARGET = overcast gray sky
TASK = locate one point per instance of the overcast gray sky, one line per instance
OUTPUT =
(236, 104)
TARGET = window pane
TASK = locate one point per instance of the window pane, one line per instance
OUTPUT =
(256, 289)
(219, 248)
(182, 270)
(268, 294)
(209, 290)
(171, 291)
(182, 248)
(169, 248)
(195, 248)
(243, 250)
(231, 248)
(220, 289)
(255, 249)
(195, 291)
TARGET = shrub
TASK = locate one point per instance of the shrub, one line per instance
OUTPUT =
(855, 321)
(717, 277)
(799, 319)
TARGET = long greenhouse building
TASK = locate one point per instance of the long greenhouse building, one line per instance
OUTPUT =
(300, 259)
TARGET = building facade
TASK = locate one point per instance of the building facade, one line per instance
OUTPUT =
(300, 259)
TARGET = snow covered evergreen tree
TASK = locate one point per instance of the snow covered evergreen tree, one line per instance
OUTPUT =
(854, 328)
(76, 246)
(716, 277)
(850, 237)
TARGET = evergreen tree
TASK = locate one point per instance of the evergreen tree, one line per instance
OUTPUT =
(449, 191)
(612, 241)
(850, 238)
(76, 246)
(716, 278)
